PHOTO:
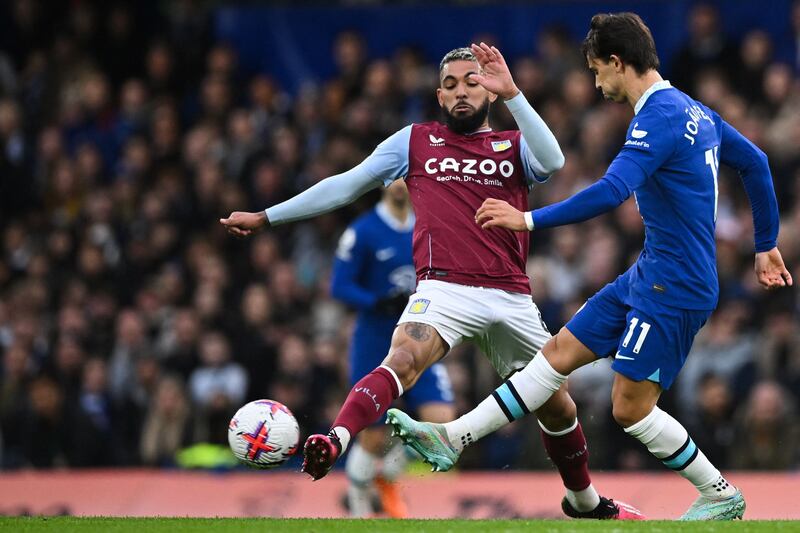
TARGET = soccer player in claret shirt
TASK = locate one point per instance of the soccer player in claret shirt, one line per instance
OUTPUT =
(647, 318)
(471, 284)
(374, 274)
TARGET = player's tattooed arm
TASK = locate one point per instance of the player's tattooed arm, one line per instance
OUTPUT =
(418, 332)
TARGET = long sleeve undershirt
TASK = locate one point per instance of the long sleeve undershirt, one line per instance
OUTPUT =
(541, 156)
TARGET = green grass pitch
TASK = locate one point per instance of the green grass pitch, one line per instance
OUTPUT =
(238, 525)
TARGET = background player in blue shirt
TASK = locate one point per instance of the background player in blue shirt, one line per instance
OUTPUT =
(648, 317)
(374, 273)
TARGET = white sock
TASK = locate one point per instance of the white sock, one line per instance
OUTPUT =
(361, 467)
(359, 500)
(584, 500)
(669, 441)
(522, 393)
(343, 435)
(394, 462)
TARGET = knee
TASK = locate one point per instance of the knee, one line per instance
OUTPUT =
(404, 364)
(559, 412)
(565, 353)
(627, 413)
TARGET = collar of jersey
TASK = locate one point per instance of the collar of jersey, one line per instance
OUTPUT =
(386, 216)
(657, 86)
(477, 132)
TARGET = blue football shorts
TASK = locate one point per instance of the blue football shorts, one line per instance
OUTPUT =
(648, 340)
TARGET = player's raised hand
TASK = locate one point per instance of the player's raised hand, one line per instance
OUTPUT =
(242, 224)
(771, 271)
(500, 214)
(496, 77)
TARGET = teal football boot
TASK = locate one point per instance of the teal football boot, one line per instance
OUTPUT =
(707, 509)
(427, 439)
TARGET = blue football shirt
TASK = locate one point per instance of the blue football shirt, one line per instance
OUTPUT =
(670, 161)
(373, 260)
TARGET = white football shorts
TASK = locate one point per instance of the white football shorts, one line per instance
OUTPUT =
(506, 326)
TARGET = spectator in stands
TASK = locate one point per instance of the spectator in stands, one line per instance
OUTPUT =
(43, 428)
(93, 439)
(723, 348)
(779, 358)
(217, 387)
(712, 422)
(167, 425)
(131, 345)
(767, 432)
(706, 46)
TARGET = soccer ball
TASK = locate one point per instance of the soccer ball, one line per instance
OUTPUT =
(263, 434)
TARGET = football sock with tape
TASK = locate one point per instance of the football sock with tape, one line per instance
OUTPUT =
(367, 402)
(568, 451)
(669, 442)
(522, 393)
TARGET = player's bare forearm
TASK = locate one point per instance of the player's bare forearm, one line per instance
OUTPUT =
(496, 76)
(242, 224)
(500, 214)
(771, 271)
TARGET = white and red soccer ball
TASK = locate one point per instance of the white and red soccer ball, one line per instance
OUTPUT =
(263, 434)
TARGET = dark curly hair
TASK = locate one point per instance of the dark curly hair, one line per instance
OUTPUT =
(624, 35)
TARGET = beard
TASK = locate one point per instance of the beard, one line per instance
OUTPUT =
(466, 123)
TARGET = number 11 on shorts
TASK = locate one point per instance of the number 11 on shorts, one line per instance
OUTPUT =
(645, 329)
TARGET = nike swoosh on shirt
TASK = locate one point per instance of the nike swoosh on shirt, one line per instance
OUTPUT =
(637, 134)
(618, 356)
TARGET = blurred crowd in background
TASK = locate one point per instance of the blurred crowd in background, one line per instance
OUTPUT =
(132, 325)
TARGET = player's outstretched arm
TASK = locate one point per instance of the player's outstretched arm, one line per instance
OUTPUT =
(387, 163)
(242, 223)
(539, 140)
(327, 195)
(604, 195)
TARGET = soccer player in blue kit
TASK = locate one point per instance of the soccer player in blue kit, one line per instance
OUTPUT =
(374, 274)
(647, 318)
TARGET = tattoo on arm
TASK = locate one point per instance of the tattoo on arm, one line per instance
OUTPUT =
(418, 332)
